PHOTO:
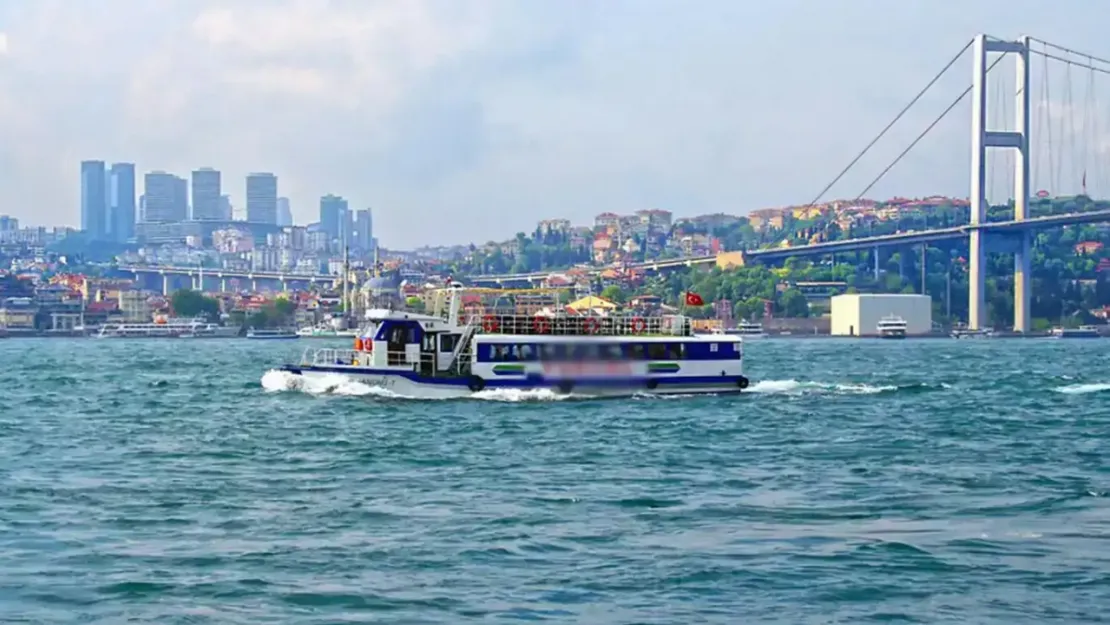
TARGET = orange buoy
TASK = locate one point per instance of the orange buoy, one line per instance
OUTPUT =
(358, 343)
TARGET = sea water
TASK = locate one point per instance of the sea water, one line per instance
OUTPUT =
(858, 481)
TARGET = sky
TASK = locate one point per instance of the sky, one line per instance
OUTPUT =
(463, 121)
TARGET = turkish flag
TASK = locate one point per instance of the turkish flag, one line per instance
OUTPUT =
(693, 299)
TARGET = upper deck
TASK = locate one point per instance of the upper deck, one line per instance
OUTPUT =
(585, 325)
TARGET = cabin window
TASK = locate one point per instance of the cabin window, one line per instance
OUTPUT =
(612, 352)
(636, 352)
(656, 351)
(448, 342)
(429, 343)
(526, 352)
(676, 351)
(713, 348)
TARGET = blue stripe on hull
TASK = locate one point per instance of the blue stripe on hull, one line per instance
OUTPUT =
(724, 380)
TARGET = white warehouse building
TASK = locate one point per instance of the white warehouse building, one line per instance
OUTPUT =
(858, 314)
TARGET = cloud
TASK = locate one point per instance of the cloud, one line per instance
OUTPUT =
(470, 121)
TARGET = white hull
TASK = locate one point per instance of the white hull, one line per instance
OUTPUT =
(419, 390)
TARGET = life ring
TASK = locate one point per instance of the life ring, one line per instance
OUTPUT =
(475, 383)
(591, 325)
(358, 344)
(742, 382)
(489, 324)
(541, 325)
(638, 325)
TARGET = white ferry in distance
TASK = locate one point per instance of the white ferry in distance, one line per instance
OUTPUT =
(746, 329)
(892, 327)
(1082, 332)
(173, 327)
(450, 353)
(271, 335)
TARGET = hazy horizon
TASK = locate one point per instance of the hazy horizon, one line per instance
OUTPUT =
(463, 122)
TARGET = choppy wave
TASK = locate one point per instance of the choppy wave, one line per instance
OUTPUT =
(1083, 389)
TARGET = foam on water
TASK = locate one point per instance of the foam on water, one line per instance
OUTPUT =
(276, 381)
(1083, 389)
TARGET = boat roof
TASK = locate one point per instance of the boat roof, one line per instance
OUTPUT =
(622, 338)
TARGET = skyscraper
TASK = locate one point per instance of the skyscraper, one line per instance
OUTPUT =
(364, 230)
(121, 201)
(94, 200)
(284, 212)
(206, 195)
(262, 198)
(335, 220)
(165, 198)
(225, 208)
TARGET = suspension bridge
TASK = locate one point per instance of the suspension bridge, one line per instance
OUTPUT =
(1070, 147)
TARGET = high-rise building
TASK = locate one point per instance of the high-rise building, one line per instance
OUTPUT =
(180, 198)
(94, 200)
(262, 198)
(121, 201)
(335, 220)
(165, 197)
(284, 212)
(226, 211)
(206, 195)
(364, 230)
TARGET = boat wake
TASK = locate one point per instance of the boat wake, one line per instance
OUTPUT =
(795, 387)
(276, 381)
(1083, 389)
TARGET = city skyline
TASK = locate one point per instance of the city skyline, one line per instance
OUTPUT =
(483, 118)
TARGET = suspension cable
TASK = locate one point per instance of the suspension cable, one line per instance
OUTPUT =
(1049, 44)
(891, 124)
(1053, 167)
(921, 136)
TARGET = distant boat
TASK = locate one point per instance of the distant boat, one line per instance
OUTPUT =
(1082, 332)
(261, 334)
(746, 329)
(892, 327)
(325, 332)
(166, 328)
(964, 333)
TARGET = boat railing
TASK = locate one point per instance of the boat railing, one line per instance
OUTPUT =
(340, 356)
(329, 356)
(581, 325)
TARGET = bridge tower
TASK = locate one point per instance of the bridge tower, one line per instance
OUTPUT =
(981, 139)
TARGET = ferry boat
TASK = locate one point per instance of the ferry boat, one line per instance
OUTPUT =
(746, 329)
(451, 353)
(1082, 332)
(892, 327)
(267, 334)
(966, 333)
(325, 332)
(168, 328)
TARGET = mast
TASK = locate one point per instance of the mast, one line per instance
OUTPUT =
(346, 279)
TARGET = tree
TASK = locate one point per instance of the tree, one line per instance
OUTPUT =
(190, 303)
(794, 304)
(613, 293)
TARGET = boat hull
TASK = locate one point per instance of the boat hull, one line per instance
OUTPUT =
(411, 384)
